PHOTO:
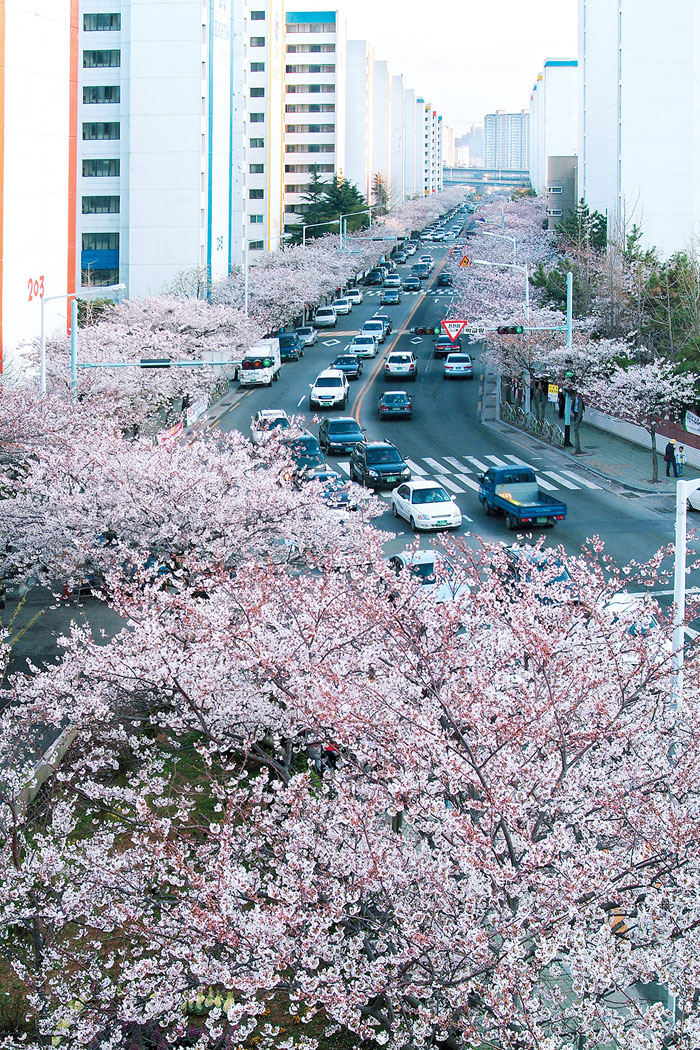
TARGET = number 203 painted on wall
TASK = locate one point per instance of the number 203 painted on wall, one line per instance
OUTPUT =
(36, 287)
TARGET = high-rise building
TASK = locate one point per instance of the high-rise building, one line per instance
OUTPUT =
(359, 119)
(553, 117)
(38, 81)
(155, 141)
(381, 124)
(314, 81)
(507, 140)
(397, 122)
(639, 160)
(411, 150)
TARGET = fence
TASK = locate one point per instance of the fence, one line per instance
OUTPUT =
(542, 428)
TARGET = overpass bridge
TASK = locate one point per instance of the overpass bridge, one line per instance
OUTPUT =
(485, 177)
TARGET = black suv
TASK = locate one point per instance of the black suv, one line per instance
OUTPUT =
(378, 464)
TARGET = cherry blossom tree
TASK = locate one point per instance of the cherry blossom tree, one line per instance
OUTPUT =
(467, 823)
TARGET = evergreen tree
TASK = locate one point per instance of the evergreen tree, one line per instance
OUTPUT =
(380, 195)
(325, 202)
(585, 228)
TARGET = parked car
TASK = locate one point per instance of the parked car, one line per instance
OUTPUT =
(330, 390)
(354, 295)
(340, 435)
(458, 366)
(394, 404)
(308, 335)
(325, 317)
(400, 364)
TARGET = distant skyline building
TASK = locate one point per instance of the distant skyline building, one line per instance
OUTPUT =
(507, 140)
(639, 99)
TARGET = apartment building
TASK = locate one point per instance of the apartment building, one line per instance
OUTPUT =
(258, 129)
(410, 158)
(507, 140)
(553, 117)
(397, 145)
(155, 141)
(38, 57)
(314, 102)
(639, 155)
(359, 115)
(380, 129)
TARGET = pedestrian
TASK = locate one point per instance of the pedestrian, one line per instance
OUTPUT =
(540, 401)
(680, 458)
(561, 403)
(670, 458)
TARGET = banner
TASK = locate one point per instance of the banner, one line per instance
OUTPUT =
(552, 393)
(166, 436)
(692, 423)
(195, 411)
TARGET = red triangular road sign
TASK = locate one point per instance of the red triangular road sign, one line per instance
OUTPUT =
(453, 328)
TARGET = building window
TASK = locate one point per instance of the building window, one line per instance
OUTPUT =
(301, 89)
(256, 118)
(94, 22)
(310, 69)
(256, 195)
(101, 59)
(101, 129)
(257, 16)
(310, 49)
(310, 129)
(556, 212)
(99, 278)
(100, 242)
(257, 92)
(256, 246)
(257, 67)
(100, 205)
(554, 189)
(257, 41)
(311, 147)
(298, 169)
(306, 107)
(256, 169)
(310, 27)
(101, 167)
(97, 93)
(257, 143)
(255, 219)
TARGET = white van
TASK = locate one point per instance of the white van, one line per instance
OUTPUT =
(261, 364)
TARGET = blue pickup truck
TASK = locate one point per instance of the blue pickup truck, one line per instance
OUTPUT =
(514, 491)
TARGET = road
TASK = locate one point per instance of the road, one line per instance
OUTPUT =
(447, 440)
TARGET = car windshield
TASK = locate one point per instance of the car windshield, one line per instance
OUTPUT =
(329, 381)
(363, 340)
(395, 399)
(436, 495)
(346, 359)
(339, 426)
(288, 340)
(373, 326)
(279, 423)
(304, 331)
(383, 455)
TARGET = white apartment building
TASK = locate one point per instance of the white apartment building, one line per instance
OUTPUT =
(429, 171)
(258, 106)
(411, 151)
(397, 124)
(38, 41)
(553, 117)
(507, 140)
(155, 141)
(359, 115)
(314, 102)
(639, 148)
(381, 126)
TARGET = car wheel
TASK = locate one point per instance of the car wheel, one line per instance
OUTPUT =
(488, 510)
(394, 509)
(412, 523)
(511, 522)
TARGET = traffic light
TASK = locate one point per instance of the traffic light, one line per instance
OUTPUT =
(417, 331)
(155, 362)
(511, 329)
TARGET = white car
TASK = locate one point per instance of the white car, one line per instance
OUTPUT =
(400, 364)
(392, 281)
(364, 345)
(330, 390)
(354, 295)
(325, 317)
(308, 335)
(425, 505)
(376, 328)
(428, 260)
(438, 579)
(265, 422)
(410, 249)
(342, 306)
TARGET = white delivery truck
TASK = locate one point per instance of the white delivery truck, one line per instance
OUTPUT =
(261, 364)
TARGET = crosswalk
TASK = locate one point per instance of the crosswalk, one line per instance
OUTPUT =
(460, 473)
(437, 292)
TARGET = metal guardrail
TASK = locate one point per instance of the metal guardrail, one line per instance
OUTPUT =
(549, 432)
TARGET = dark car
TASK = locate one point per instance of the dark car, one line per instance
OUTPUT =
(340, 435)
(378, 464)
(387, 322)
(390, 297)
(394, 404)
(374, 277)
(411, 284)
(304, 451)
(350, 364)
(445, 280)
(291, 346)
(541, 569)
(443, 346)
(335, 490)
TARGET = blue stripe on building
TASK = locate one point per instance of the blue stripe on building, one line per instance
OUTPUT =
(292, 17)
(210, 147)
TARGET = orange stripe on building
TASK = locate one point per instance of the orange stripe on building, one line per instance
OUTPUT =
(72, 150)
(2, 163)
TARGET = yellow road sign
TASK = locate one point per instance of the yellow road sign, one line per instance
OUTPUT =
(466, 261)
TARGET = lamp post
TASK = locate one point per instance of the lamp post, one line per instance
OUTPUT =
(512, 266)
(343, 231)
(683, 490)
(504, 237)
(272, 237)
(73, 297)
(311, 225)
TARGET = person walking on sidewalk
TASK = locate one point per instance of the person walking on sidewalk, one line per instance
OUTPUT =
(680, 459)
(670, 458)
(540, 401)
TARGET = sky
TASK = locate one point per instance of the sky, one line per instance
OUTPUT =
(466, 57)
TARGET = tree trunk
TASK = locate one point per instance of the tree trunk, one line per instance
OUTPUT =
(654, 463)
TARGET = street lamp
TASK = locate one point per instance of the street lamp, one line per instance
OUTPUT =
(344, 225)
(512, 266)
(503, 237)
(311, 225)
(683, 490)
(73, 297)
(271, 237)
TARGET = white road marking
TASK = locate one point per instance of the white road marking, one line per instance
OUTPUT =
(498, 462)
(561, 481)
(448, 483)
(468, 481)
(415, 469)
(433, 464)
(581, 481)
(477, 463)
(545, 484)
(301, 400)
(453, 462)
(518, 462)
(345, 465)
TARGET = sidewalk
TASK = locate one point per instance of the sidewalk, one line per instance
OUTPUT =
(604, 454)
